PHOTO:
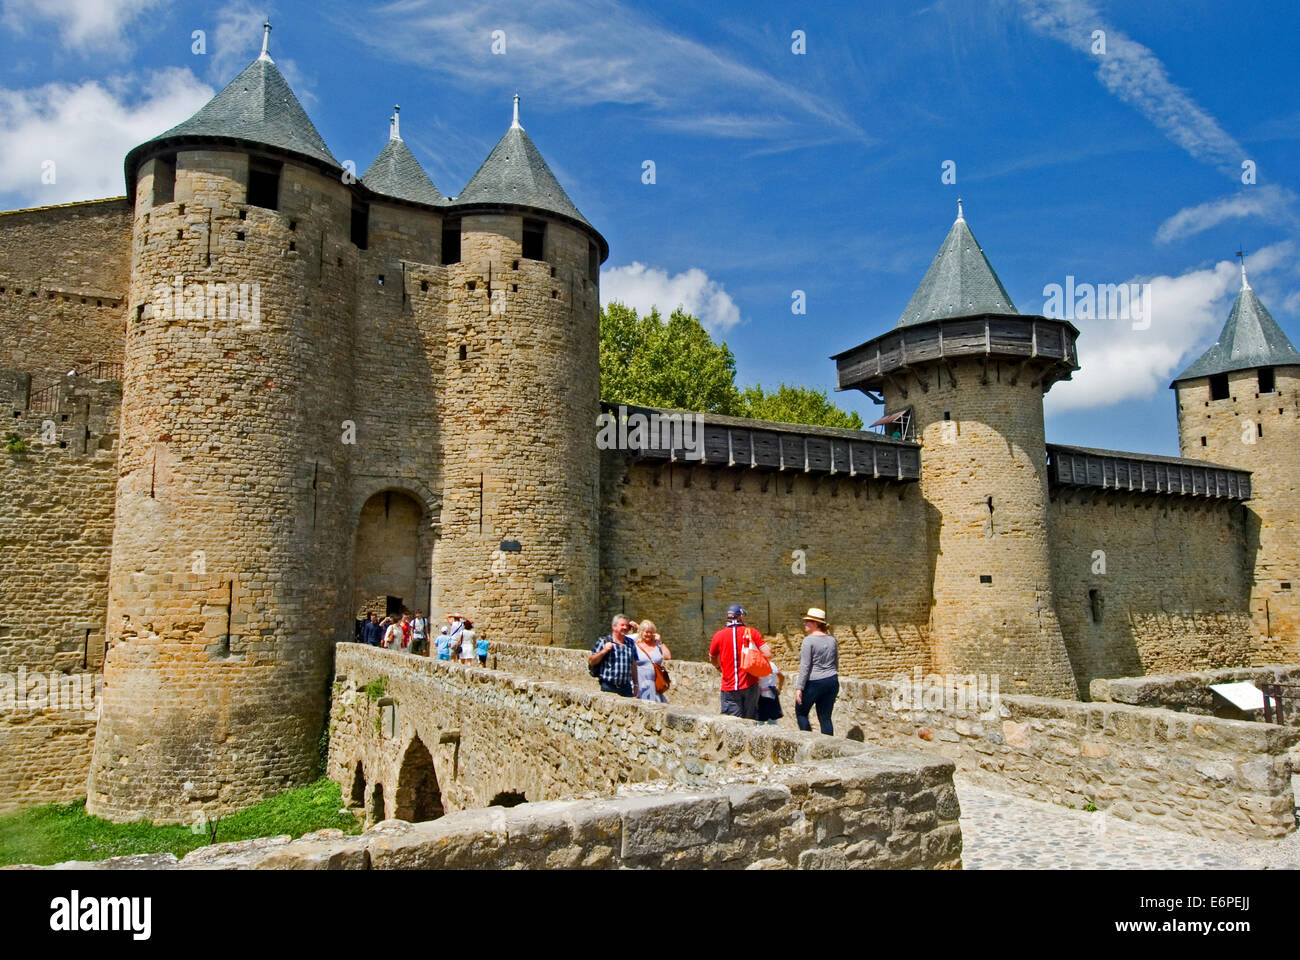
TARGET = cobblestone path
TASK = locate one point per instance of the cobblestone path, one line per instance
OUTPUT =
(1001, 831)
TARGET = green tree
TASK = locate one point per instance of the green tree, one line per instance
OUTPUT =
(796, 405)
(647, 361)
(644, 360)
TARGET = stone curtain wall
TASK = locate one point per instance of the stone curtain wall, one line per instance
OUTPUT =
(1259, 432)
(1199, 775)
(1191, 693)
(680, 544)
(713, 791)
(56, 532)
(63, 287)
(1174, 592)
(45, 746)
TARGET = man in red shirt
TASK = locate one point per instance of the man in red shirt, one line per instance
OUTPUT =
(739, 688)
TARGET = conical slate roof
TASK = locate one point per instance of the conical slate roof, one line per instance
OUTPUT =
(1250, 338)
(396, 173)
(257, 107)
(515, 172)
(959, 283)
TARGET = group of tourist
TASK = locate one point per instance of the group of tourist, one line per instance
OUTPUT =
(410, 634)
(631, 661)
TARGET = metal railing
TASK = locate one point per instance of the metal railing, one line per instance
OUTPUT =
(1275, 697)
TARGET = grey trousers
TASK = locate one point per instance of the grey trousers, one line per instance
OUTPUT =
(741, 703)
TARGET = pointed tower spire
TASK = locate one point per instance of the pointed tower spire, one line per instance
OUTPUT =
(266, 42)
(394, 132)
(1250, 338)
(515, 125)
(960, 282)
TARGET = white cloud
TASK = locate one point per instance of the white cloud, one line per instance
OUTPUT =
(1187, 312)
(86, 129)
(1133, 73)
(82, 24)
(1269, 201)
(644, 288)
(237, 38)
(601, 51)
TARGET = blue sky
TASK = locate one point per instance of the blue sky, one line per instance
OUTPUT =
(774, 171)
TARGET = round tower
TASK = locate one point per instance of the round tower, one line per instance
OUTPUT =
(518, 549)
(225, 588)
(1239, 405)
(965, 374)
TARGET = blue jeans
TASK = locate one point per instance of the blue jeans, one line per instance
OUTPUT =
(822, 693)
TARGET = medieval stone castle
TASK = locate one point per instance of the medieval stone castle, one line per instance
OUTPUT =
(296, 395)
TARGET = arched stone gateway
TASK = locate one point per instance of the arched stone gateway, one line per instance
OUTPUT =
(392, 556)
(418, 797)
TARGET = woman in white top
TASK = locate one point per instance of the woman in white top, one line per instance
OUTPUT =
(651, 652)
(466, 641)
(393, 636)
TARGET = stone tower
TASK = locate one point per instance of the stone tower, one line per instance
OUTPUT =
(224, 592)
(964, 374)
(518, 544)
(1239, 405)
(334, 391)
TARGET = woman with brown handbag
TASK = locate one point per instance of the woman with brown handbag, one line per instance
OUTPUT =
(651, 655)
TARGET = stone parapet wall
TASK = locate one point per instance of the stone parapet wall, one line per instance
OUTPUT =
(693, 789)
(1191, 693)
(1199, 775)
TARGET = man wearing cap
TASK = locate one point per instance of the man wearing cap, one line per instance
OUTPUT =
(739, 688)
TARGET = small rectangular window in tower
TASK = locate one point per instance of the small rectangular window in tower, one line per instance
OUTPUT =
(1095, 605)
(1202, 441)
(1286, 584)
(1266, 381)
(164, 179)
(986, 578)
(1259, 427)
(1219, 386)
(534, 240)
(451, 241)
(360, 224)
(264, 184)
(593, 263)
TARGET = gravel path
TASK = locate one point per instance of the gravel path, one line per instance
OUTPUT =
(1001, 831)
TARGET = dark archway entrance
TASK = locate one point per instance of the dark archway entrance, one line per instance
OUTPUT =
(418, 797)
(391, 562)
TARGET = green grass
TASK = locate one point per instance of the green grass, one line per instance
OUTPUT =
(64, 831)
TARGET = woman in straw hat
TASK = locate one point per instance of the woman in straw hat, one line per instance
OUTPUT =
(819, 673)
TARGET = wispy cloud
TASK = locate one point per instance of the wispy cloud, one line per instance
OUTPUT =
(1186, 313)
(236, 39)
(1270, 202)
(645, 288)
(554, 49)
(1133, 73)
(85, 25)
(84, 130)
